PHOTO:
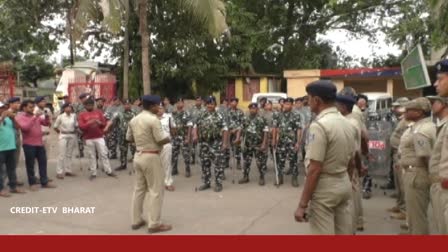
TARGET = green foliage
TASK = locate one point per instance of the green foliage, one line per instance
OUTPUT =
(34, 67)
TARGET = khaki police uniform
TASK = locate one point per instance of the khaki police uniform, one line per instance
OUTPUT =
(436, 189)
(329, 207)
(415, 146)
(146, 131)
(442, 148)
(357, 210)
(398, 172)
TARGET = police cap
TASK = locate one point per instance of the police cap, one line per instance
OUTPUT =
(151, 99)
(442, 66)
(420, 103)
(210, 99)
(13, 99)
(324, 89)
(39, 99)
(253, 105)
(346, 99)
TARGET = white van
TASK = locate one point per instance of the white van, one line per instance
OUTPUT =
(273, 97)
(380, 104)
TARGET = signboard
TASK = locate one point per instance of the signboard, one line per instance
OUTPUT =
(413, 68)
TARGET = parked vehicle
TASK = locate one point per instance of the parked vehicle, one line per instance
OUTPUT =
(379, 106)
(273, 97)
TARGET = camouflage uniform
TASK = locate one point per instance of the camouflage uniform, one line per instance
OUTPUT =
(123, 122)
(254, 128)
(287, 124)
(195, 113)
(112, 114)
(183, 121)
(269, 117)
(78, 108)
(210, 130)
(235, 120)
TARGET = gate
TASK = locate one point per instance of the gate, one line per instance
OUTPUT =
(7, 83)
(102, 86)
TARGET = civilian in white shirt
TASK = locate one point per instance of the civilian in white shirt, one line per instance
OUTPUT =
(167, 125)
(66, 125)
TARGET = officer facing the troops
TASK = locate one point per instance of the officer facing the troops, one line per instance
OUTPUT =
(123, 121)
(255, 134)
(145, 130)
(287, 141)
(181, 141)
(440, 112)
(439, 157)
(330, 149)
(212, 132)
(414, 151)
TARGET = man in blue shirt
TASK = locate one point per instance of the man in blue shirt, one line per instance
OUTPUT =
(7, 151)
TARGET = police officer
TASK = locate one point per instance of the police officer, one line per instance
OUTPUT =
(255, 133)
(415, 150)
(112, 113)
(400, 208)
(345, 104)
(440, 111)
(235, 117)
(181, 141)
(287, 140)
(439, 159)
(145, 130)
(123, 121)
(327, 187)
(211, 131)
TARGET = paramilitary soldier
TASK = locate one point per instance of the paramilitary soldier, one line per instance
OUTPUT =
(183, 121)
(211, 131)
(235, 119)
(112, 113)
(255, 134)
(195, 111)
(287, 140)
(415, 150)
(330, 150)
(123, 121)
(77, 109)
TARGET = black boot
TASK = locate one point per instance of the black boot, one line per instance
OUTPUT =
(120, 168)
(218, 187)
(261, 181)
(187, 172)
(294, 181)
(174, 172)
(204, 187)
(244, 180)
(238, 165)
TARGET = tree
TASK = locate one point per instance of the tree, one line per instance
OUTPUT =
(34, 67)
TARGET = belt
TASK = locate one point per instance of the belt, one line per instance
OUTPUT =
(149, 152)
(68, 132)
(435, 178)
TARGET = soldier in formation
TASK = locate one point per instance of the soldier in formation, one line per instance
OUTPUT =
(182, 137)
(287, 141)
(211, 131)
(255, 135)
(123, 120)
(112, 113)
(235, 117)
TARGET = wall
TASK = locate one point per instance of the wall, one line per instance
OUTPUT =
(400, 90)
(297, 81)
(365, 86)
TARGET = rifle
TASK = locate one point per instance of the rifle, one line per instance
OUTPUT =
(276, 168)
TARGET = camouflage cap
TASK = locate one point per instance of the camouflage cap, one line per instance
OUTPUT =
(420, 103)
(400, 102)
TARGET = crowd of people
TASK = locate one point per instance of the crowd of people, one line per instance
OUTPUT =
(325, 131)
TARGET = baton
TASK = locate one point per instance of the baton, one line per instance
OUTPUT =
(275, 167)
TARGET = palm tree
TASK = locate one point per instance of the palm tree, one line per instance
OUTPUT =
(210, 13)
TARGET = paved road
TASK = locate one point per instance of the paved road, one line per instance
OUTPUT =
(238, 209)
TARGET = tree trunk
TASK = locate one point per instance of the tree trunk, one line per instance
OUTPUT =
(146, 67)
(126, 51)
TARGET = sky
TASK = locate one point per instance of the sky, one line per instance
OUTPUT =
(355, 47)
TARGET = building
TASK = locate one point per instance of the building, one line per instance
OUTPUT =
(244, 86)
(363, 80)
